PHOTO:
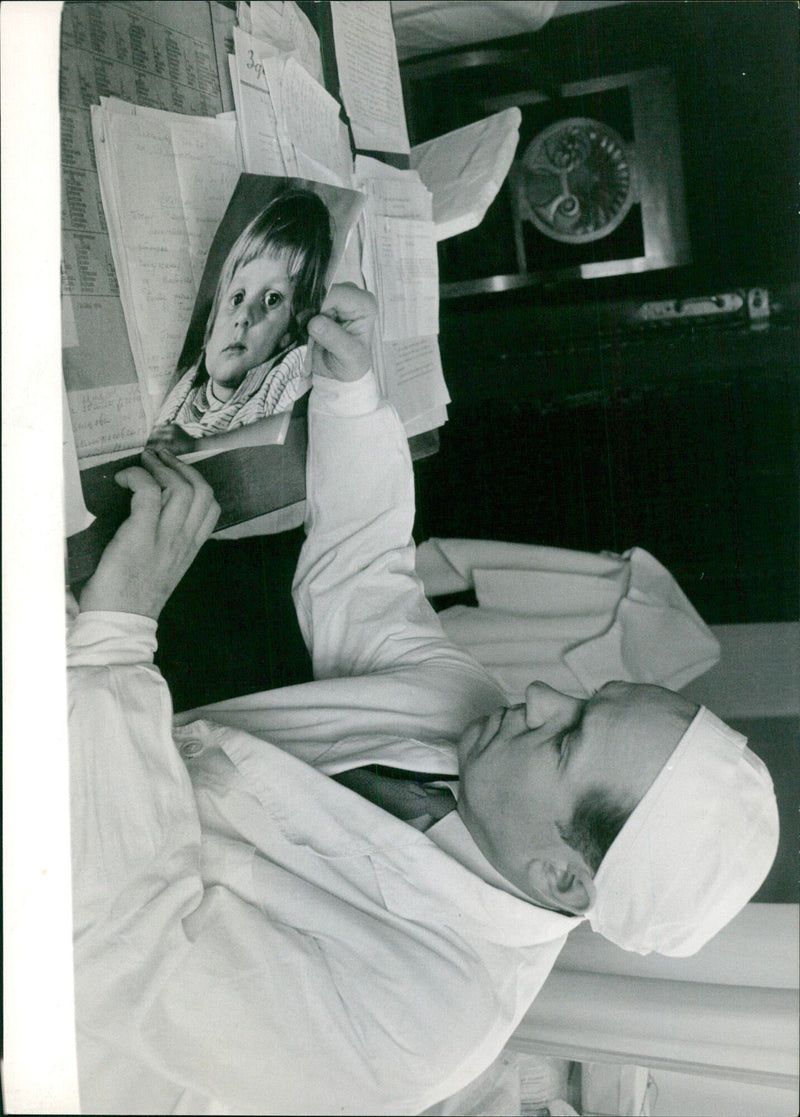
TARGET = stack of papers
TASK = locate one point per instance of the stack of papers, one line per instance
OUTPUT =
(165, 181)
(465, 169)
(287, 27)
(401, 267)
(289, 124)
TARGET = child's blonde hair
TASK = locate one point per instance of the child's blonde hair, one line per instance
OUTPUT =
(295, 222)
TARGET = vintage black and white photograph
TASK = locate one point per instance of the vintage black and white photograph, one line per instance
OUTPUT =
(245, 355)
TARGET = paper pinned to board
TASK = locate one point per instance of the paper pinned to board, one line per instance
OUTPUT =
(69, 332)
(208, 165)
(310, 118)
(165, 181)
(318, 172)
(222, 23)
(400, 266)
(288, 121)
(406, 269)
(257, 114)
(391, 192)
(264, 18)
(369, 75)
(288, 27)
(400, 260)
(411, 371)
(465, 169)
(150, 244)
(298, 29)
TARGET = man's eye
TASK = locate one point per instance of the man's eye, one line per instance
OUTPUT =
(272, 299)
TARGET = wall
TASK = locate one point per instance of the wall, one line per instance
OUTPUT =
(688, 1095)
(758, 675)
(756, 688)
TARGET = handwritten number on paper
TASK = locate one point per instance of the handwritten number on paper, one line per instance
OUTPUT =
(254, 64)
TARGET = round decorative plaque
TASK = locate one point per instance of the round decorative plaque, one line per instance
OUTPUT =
(576, 180)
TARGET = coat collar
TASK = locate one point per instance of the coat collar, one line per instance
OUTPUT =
(438, 876)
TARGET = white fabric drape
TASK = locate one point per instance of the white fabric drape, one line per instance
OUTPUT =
(571, 619)
(731, 1010)
(422, 26)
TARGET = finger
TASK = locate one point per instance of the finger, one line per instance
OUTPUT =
(146, 498)
(344, 351)
(352, 307)
(161, 436)
(209, 522)
(188, 472)
(202, 495)
(160, 464)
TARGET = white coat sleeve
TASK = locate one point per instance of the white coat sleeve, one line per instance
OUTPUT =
(135, 862)
(361, 607)
(135, 830)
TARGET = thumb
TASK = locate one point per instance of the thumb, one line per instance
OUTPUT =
(338, 352)
(146, 490)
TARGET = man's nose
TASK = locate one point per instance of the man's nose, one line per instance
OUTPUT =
(544, 704)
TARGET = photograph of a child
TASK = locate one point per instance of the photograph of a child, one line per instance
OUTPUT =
(245, 357)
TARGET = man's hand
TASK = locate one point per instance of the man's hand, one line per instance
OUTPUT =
(173, 512)
(342, 333)
(169, 436)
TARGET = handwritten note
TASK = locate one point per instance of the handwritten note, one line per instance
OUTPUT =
(107, 420)
(258, 120)
(408, 277)
(160, 294)
(413, 380)
(273, 75)
(311, 120)
(287, 26)
(392, 192)
(369, 74)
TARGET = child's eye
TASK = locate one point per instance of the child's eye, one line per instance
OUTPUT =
(272, 299)
(237, 298)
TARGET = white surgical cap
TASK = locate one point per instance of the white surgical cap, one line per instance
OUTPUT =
(695, 849)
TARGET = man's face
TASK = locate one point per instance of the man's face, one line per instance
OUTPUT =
(252, 321)
(524, 768)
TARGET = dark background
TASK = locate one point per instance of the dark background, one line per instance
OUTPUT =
(572, 426)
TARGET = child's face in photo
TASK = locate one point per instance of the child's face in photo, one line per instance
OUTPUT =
(252, 321)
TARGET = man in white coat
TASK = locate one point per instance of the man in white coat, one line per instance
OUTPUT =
(268, 917)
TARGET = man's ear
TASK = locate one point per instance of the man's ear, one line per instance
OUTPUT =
(567, 887)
